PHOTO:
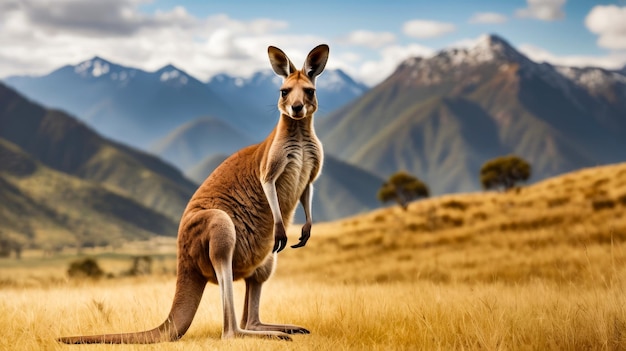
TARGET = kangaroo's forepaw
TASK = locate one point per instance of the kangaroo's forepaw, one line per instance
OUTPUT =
(280, 237)
(306, 234)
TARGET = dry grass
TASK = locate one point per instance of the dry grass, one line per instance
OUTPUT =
(401, 316)
(538, 269)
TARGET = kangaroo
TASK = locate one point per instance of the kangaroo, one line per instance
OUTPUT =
(234, 225)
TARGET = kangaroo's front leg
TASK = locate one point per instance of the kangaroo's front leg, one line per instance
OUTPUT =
(305, 200)
(280, 236)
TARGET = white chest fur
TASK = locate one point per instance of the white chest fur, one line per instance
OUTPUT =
(302, 154)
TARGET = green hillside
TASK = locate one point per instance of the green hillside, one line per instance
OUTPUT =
(63, 143)
(42, 207)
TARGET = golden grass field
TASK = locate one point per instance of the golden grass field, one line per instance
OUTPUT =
(541, 268)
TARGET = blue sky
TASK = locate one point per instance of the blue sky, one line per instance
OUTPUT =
(332, 18)
(367, 38)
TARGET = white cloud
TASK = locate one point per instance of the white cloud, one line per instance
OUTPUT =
(40, 35)
(423, 29)
(609, 22)
(487, 18)
(100, 18)
(373, 71)
(369, 39)
(537, 54)
(545, 10)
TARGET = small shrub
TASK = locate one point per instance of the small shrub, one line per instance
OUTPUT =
(379, 218)
(85, 268)
(450, 221)
(533, 224)
(600, 182)
(592, 193)
(479, 216)
(559, 201)
(415, 227)
(455, 204)
(602, 204)
(142, 265)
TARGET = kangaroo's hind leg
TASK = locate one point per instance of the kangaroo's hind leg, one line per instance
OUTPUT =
(251, 319)
(219, 239)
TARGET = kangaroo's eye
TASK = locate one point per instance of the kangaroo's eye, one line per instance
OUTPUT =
(284, 92)
(309, 92)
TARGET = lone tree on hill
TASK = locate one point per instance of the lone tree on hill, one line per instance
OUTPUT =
(504, 172)
(402, 188)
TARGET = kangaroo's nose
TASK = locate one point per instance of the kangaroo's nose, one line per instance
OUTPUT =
(296, 108)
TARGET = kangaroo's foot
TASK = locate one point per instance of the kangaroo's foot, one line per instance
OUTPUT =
(285, 328)
(267, 334)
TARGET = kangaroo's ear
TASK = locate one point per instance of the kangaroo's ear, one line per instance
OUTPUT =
(280, 62)
(316, 61)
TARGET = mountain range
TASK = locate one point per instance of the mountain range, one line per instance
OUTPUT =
(141, 108)
(335, 88)
(441, 118)
(64, 184)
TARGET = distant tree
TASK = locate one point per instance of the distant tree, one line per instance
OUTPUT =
(142, 265)
(87, 267)
(8, 245)
(504, 172)
(402, 188)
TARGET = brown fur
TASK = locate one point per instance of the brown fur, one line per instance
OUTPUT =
(235, 222)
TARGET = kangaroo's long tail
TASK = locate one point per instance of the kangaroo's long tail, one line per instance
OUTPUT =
(190, 285)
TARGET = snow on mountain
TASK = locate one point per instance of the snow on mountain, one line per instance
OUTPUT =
(592, 78)
(443, 116)
(175, 77)
(463, 65)
(98, 67)
(265, 78)
(338, 81)
(335, 88)
(94, 67)
(124, 103)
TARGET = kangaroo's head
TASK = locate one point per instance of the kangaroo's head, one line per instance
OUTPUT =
(297, 94)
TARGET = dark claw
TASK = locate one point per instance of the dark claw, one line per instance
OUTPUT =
(306, 234)
(280, 238)
(297, 331)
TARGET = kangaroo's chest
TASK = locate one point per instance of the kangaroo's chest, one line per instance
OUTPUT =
(304, 158)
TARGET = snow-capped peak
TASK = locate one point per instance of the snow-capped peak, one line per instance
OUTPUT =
(172, 74)
(95, 67)
(98, 67)
(489, 47)
(337, 80)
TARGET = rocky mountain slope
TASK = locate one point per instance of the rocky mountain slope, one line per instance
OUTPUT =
(441, 118)
(62, 143)
(42, 207)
